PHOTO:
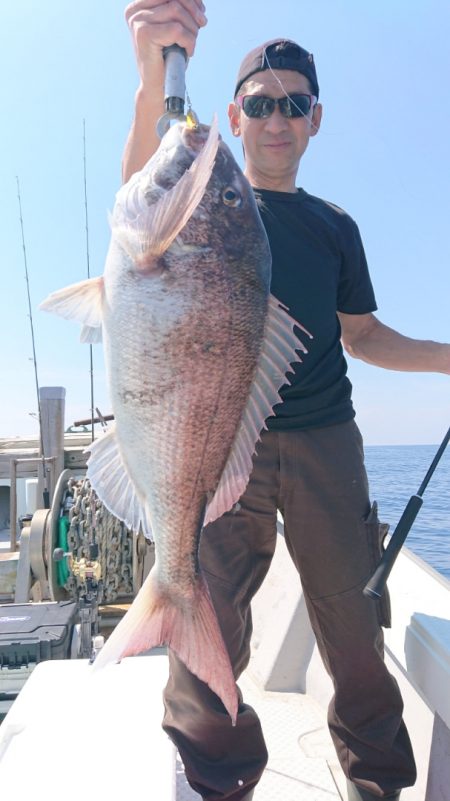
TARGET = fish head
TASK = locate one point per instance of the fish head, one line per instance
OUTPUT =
(179, 147)
(191, 200)
(227, 216)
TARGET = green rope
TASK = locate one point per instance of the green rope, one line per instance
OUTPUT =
(62, 570)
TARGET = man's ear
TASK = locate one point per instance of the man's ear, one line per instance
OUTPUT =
(316, 119)
(234, 114)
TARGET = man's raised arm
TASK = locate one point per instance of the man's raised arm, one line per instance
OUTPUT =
(154, 25)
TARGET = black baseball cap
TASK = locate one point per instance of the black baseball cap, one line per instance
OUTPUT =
(278, 54)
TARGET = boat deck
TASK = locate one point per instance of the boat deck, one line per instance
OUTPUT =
(302, 761)
(118, 719)
(109, 721)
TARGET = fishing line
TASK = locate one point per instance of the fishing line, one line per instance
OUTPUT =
(45, 491)
(380, 137)
(91, 354)
(286, 94)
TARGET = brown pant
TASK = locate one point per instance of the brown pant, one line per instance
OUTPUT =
(317, 480)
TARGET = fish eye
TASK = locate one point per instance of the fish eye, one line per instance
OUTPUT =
(230, 197)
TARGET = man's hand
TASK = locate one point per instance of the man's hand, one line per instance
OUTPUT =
(155, 24)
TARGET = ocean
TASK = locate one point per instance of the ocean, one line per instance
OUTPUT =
(395, 473)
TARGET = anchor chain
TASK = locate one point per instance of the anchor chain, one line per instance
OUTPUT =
(96, 534)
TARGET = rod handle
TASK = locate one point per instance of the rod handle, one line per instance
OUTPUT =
(175, 58)
(376, 584)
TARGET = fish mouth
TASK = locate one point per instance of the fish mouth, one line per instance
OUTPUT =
(195, 138)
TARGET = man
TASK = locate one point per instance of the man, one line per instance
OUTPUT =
(309, 464)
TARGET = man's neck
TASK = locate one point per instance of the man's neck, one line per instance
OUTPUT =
(274, 184)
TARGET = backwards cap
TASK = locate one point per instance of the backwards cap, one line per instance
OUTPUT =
(278, 54)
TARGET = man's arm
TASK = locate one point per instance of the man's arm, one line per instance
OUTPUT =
(365, 337)
(155, 25)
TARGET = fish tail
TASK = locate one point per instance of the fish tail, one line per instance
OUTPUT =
(191, 630)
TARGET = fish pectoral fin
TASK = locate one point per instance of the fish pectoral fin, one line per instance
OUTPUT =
(147, 235)
(82, 302)
(109, 478)
(190, 628)
(278, 353)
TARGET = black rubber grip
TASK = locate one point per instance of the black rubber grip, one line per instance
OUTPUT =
(376, 584)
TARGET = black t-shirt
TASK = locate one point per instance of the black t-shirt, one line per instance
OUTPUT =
(318, 268)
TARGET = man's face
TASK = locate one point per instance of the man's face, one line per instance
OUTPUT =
(274, 145)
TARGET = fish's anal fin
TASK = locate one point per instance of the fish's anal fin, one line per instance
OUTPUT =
(110, 480)
(147, 232)
(278, 353)
(81, 302)
(189, 627)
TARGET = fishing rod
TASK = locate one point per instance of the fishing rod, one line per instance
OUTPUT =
(45, 491)
(101, 418)
(376, 584)
(91, 353)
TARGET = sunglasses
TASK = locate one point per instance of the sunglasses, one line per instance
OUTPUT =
(261, 107)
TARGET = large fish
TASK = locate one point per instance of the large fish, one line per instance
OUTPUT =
(196, 350)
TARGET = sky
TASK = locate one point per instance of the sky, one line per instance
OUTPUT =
(382, 154)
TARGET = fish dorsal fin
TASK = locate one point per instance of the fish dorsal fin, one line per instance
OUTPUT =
(82, 302)
(148, 234)
(109, 478)
(278, 352)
